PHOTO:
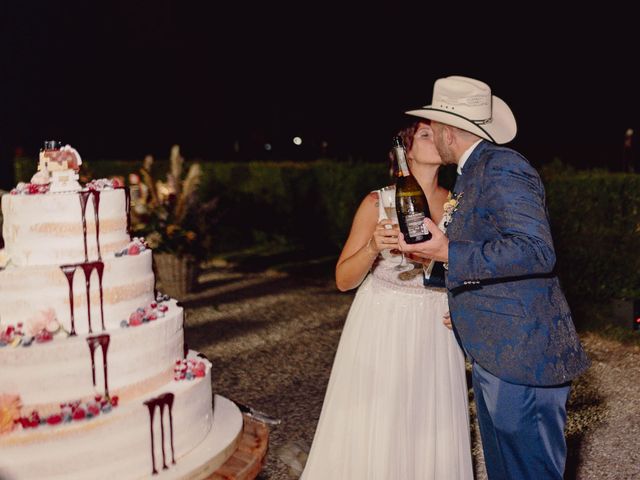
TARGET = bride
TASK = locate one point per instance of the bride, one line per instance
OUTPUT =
(396, 403)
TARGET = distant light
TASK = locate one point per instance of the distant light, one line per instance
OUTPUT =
(236, 146)
(267, 147)
(297, 140)
(629, 132)
(324, 144)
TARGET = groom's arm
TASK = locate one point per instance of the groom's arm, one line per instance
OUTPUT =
(512, 198)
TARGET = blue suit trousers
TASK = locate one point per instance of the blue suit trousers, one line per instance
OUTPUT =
(522, 428)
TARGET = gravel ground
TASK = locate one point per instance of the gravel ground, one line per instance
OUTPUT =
(272, 337)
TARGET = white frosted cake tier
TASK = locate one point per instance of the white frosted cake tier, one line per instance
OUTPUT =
(139, 359)
(127, 284)
(47, 229)
(118, 445)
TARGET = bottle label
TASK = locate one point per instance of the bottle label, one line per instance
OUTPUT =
(415, 224)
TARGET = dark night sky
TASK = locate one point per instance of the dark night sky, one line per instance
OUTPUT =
(121, 79)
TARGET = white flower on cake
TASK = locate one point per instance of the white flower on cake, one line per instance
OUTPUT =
(43, 324)
(40, 328)
(58, 167)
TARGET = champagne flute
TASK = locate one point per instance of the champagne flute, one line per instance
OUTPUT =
(388, 202)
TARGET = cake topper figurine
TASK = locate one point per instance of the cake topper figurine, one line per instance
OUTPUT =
(59, 167)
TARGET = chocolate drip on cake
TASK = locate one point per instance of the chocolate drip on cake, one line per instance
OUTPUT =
(84, 197)
(87, 268)
(69, 271)
(161, 401)
(96, 210)
(127, 202)
(102, 341)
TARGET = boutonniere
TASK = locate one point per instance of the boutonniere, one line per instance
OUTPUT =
(450, 207)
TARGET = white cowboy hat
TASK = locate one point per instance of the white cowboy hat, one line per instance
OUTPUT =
(467, 103)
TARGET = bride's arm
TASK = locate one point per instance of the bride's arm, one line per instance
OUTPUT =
(359, 252)
(366, 240)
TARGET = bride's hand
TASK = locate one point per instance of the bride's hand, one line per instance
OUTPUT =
(385, 236)
(446, 321)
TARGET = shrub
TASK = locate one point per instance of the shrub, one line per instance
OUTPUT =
(595, 219)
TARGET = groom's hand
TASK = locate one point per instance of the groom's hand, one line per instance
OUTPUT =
(436, 248)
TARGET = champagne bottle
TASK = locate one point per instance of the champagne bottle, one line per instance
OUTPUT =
(411, 202)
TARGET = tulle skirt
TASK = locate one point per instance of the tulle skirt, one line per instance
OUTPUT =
(396, 404)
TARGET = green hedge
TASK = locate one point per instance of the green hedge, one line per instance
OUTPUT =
(595, 216)
(310, 204)
(595, 220)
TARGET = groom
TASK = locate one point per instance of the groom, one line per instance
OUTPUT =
(507, 308)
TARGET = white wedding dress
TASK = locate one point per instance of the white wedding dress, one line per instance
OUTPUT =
(396, 404)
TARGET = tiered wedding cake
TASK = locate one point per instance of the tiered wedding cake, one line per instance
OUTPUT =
(95, 381)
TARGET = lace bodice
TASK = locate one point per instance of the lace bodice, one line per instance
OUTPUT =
(384, 268)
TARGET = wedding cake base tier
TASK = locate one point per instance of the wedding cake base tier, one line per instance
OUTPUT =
(132, 460)
(222, 443)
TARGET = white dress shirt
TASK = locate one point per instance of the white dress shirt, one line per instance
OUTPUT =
(465, 156)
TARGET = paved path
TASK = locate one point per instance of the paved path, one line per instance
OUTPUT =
(272, 338)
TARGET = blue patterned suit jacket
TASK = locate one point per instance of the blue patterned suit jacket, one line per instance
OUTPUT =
(508, 310)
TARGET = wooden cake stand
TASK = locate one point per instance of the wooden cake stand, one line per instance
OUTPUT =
(248, 459)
